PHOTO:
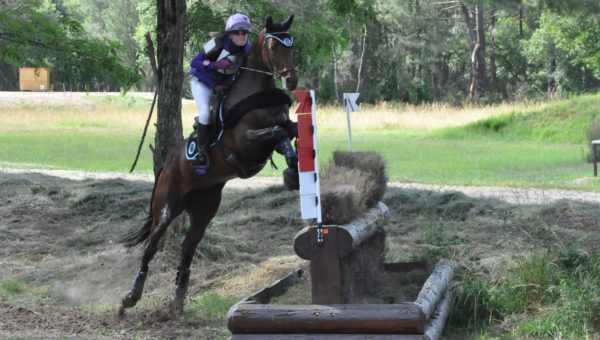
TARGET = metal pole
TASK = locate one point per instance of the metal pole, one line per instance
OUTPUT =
(349, 125)
(594, 158)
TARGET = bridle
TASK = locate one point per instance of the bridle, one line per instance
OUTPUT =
(287, 41)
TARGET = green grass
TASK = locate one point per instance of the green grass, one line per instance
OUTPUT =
(547, 294)
(208, 306)
(544, 147)
(565, 121)
(11, 288)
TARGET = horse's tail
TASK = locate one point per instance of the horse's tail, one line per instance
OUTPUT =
(134, 238)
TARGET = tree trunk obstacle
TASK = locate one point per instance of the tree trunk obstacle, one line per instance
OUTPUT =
(345, 269)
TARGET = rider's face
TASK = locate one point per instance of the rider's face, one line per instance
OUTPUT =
(239, 38)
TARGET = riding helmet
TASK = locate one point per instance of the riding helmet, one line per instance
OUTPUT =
(238, 22)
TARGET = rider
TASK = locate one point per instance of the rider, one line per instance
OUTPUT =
(214, 69)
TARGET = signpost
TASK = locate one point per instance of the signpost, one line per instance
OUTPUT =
(351, 106)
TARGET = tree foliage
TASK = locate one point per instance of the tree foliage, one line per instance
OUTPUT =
(413, 51)
(36, 33)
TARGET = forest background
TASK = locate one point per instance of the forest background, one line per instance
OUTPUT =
(405, 51)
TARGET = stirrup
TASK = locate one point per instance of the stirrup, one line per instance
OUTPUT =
(201, 163)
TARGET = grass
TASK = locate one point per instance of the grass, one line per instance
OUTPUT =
(541, 296)
(527, 144)
(12, 288)
(209, 305)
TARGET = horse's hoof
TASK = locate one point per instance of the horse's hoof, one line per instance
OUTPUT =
(121, 311)
(290, 179)
(176, 308)
(128, 301)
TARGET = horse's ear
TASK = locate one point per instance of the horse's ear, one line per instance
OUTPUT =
(269, 26)
(288, 23)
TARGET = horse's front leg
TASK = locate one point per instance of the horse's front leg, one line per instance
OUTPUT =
(201, 207)
(262, 135)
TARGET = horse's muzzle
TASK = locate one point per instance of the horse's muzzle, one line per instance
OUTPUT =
(290, 79)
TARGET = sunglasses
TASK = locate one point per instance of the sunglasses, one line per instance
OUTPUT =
(240, 32)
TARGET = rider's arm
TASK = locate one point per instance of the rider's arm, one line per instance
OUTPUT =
(210, 52)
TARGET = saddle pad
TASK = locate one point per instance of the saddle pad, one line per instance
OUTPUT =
(191, 149)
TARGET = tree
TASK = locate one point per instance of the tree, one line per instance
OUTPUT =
(35, 33)
(170, 41)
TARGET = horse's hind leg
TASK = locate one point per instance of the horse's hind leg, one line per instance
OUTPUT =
(201, 207)
(165, 217)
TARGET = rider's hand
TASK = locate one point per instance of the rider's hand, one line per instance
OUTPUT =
(223, 64)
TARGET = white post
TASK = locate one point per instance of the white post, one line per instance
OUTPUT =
(350, 106)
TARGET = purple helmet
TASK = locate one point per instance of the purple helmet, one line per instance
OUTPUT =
(238, 22)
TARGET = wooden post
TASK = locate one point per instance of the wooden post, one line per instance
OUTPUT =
(325, 272)
(331, 276)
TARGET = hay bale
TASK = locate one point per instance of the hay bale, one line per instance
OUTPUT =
(373, 166)
(353, 183)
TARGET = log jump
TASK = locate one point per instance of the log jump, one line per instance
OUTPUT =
(336, 311)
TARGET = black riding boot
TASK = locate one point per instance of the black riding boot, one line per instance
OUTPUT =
(201, 163)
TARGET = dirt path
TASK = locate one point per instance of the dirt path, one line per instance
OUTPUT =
(514, 195)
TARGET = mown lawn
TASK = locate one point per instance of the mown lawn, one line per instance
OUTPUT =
(534, 145)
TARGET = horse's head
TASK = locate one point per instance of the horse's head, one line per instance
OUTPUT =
(277, 51)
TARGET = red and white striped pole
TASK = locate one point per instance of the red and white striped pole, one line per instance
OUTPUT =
(308, 165)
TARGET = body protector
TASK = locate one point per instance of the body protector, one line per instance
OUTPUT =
(215, 50)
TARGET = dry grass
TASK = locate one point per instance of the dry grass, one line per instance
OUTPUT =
(32, 111)
(421, 117)
(27, 110)
(252, 278)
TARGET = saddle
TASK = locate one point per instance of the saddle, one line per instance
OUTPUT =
(222, 119)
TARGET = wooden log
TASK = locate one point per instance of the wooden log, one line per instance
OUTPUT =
(363, 228)
(276, 289)
(349, 235)
(435, 324)
(405, 318)
(328, 337)
(435, 287)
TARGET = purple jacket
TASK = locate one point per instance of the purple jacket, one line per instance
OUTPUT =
(215, 49)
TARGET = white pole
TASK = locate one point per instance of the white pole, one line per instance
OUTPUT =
(348, 121)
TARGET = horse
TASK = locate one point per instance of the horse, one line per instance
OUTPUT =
(242, 150)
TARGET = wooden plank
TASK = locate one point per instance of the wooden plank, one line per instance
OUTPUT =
(328, 336)
(435, 287)
(402, 267)
(435, 324)
(405, 318)
(276, 289)
(325, 272)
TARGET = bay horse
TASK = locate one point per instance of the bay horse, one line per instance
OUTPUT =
(242, 151)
